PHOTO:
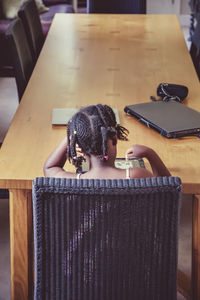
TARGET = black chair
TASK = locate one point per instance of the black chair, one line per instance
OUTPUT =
(195, 55)
(29, 15)
(117, 6)
(195, 45)
(106, 239)
(21, 56)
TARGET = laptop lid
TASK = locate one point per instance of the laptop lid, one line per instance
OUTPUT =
(172, 119)
(61, 116)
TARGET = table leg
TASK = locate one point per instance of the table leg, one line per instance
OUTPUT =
(21, 244)
(196, 248)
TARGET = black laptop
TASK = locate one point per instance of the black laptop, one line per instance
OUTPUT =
(171, 119)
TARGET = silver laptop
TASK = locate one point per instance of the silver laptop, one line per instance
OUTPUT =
(171, 119)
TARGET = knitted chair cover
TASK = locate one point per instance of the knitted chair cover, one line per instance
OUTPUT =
(106, 239)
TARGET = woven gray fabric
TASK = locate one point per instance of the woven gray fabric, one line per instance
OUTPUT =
(106, 239)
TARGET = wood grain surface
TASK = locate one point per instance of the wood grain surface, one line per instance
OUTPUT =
(109, 59)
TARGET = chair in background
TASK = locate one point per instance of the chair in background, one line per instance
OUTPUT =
(21, 56)
(29, 15)
(195, 44)
(195, 55)
(117, 6)
(106, 239)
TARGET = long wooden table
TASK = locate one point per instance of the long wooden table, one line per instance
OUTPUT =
(89, 59)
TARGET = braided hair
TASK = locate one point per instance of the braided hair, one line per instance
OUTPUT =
(90, 128)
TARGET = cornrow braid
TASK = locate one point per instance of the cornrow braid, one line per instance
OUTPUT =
(96, 135)
(73, 142)
(110, 116)
(68, 141)
(101, 111)
(72, 137)
(90, 129)
(122, 132)
(104, 132)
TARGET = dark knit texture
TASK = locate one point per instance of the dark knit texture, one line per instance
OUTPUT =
(117, 6)
(106, 239)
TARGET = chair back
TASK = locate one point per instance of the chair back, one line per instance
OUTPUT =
(195, 46)
(117, 6)
(106, 239)
(29, 15)
(21, 56)
(195, 55)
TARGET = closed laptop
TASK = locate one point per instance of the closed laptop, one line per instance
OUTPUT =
(61, 116)
(172, 119)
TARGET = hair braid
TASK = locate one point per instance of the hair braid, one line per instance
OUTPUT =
(110, 115)
(68, 141)
(90, 129)
(108, 130)
(122, 133)
(79, 133)
(96, 139)
(104, 133)
(73, 141)
(102, 114)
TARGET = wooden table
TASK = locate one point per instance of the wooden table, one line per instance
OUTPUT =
(89, 59)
